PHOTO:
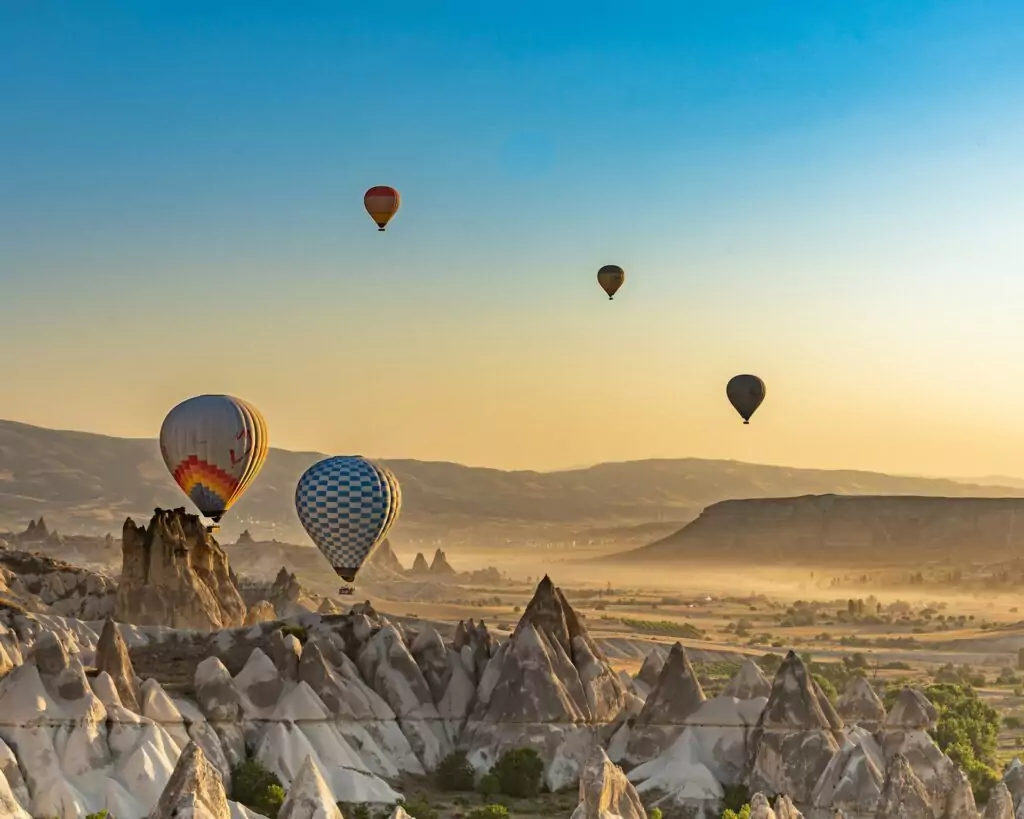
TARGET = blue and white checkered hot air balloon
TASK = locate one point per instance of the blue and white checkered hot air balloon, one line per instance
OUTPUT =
(347, 504)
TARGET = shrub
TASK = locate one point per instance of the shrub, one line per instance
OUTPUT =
(420, 809)
(654, 814)
(489, 812)
(299, 632)
(355, 810)
(99, 815)
(257, 788)
(1013, 723)
(454, 773)
(519, 773)
(735, 798)
(742, 813)
(489, 785)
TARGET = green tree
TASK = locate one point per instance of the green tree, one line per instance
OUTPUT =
(256, 787)
(519, 773)
(742, 813)
(454, 773)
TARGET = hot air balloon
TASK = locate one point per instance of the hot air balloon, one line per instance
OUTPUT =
(347, 504)
(611, 277)
(214, 446)
(745, 392)
(381, 202)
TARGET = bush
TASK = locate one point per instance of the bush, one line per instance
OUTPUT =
(519, 773)
(299, 632)
(100, 815)
(419, 809)
(742, 813)
(454, 773)
(489, 812)
(489, 785)
(257, 788)
(735, 798)
(355, 810)
(654, 814)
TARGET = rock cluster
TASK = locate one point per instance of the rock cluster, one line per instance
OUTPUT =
(175, 574)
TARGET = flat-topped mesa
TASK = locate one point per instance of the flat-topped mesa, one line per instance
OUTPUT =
(174, 573)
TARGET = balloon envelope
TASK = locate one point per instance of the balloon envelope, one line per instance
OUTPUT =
(214, 446)
(745, 393)
(347, 504)
(611, 277)
(381, 202)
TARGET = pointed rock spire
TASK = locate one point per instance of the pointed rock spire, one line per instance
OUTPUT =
(309, 796)
(677, 693)
(903, 794)
(749, 682)
(194, 791)
(112, 656)
(860, 705)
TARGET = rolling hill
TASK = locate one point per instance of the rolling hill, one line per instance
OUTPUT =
(836, 530)
(87, 483)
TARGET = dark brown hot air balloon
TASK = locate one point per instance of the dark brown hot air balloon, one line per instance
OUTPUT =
(745, 393)
(611, 277)
(381, 202)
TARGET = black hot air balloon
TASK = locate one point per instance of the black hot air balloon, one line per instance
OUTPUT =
(745, 393)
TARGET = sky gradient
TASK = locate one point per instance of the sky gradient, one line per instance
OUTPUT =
(827, 194)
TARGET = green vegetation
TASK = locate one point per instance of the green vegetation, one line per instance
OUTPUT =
(742, 813)
(654, 813)
(418, 809)
(967, 730)
(518, 772)
(735, 799)
(489, 786)
(100, 815)
(298, 632)
(664, 627)
(255, 787)
(454, 773)
(489, 812)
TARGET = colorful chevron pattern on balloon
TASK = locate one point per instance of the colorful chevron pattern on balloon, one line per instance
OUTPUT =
(209, 486)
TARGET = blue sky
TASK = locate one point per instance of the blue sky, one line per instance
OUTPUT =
(827, 192)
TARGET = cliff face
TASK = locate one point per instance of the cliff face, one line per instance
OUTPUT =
(175, 574)
(847, 529)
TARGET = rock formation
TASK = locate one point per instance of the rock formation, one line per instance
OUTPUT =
(35, 531)
(1000, 803)
(749, 682)
(383, 559)
(112, 657)
(650, 671)
(548, 687)
(797, 735)
(606, 792)
(675, 697)
(835, 527)
(175, 574)
(419, 565)
(309, 797)
(195, 790)
(905, 732)
(904, 795)
(440, 567)
(860, 705)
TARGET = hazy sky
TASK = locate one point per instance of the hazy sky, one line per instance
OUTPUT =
(828, 194)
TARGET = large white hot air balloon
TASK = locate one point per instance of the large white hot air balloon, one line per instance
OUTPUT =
(347, 504)
(214, 446)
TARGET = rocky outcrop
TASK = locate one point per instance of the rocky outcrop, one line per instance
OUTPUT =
(749, 682)
(675, 697)
(1000, 803)
(113, 658)
(853, 779)
(905, 732)
(904, 796)
(195, 790)
(309, 797)
(175, 574)
(650, 672)
(797, 735)
(760, 807)
(1013, 778)
(548, 687)
(440, 567)
(383, 558)
(61, 587)
(419, 565)
(606, 792)
(833, 529)
(475, 645)
(261, 612)
(36, 531)
(860, 705)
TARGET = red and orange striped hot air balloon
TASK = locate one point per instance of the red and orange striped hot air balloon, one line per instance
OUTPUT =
(381, 202)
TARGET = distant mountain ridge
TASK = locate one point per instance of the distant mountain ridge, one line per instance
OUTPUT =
(88, 483)
(843, 530)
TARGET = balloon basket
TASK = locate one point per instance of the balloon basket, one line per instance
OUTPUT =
(347, 590)
(213, 527)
